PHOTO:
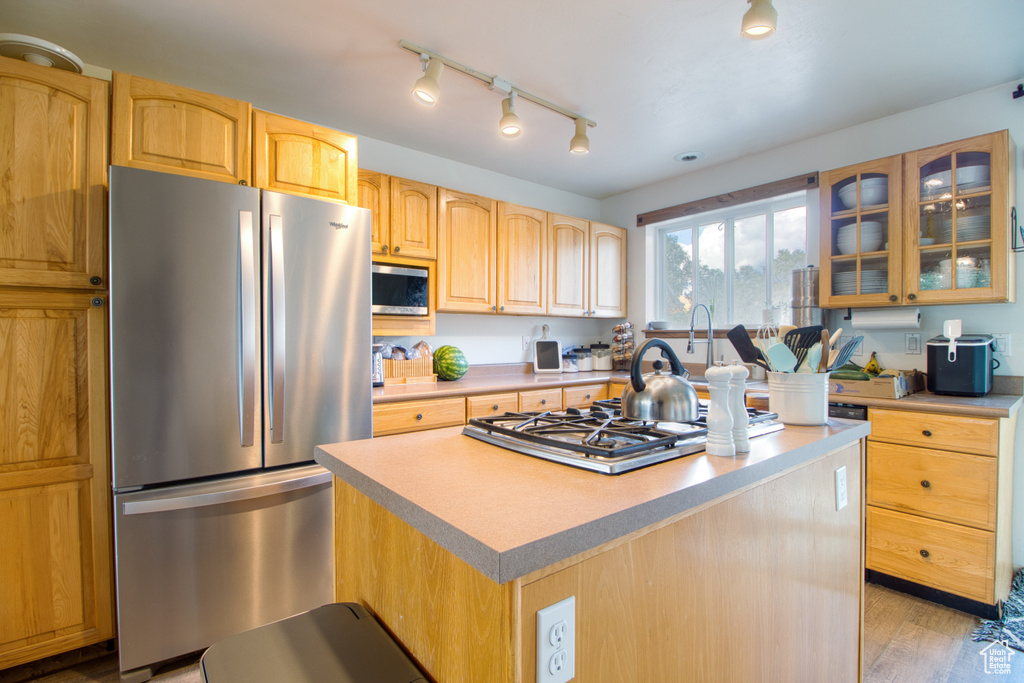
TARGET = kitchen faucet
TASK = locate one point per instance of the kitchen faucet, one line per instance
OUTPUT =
(711, 334)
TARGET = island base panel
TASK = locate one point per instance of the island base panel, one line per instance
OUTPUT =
(764, 585)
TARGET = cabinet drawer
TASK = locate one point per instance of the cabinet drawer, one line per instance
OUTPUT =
(931, 430)
(542, 399)
(952, 558)
(414, 416)
(954, 487)
(492, 404)
(582, 397)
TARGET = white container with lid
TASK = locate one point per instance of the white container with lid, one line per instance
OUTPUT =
(585, 360)
(602, 356)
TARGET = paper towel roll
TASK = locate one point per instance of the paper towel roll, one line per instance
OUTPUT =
(885, 318)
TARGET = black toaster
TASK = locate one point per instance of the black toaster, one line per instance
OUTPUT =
(964, 370)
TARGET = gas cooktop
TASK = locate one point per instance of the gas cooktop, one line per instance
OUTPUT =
(600, 439)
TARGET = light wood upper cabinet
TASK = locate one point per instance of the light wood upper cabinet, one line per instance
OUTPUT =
(56, 577)
(862, 238)
(568, 280)
(164, 127)
(54, 170)
(587, 272)
(404, 215)
(467, 239)
(303, 158)
(375, 195)
(957, 203)
(522, 259)
(414, 213)
(607, 271)
(925, 227)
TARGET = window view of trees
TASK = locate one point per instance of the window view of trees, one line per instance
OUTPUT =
(739, 266)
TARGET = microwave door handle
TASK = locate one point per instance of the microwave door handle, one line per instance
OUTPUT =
(247, 350)
(276, 308)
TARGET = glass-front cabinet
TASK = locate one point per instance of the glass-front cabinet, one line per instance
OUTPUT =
(925, 227)
(861, 245)
(956, 198)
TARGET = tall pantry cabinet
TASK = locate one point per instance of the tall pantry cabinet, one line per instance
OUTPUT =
(56, 571)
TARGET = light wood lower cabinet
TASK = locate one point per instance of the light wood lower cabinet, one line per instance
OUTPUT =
(658, 605)
(413, 416)
(56, 573)
(540, 399)
(939, 493)
(583, 397)
(491, 405)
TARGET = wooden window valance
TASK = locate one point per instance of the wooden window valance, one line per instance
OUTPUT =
(808, 181)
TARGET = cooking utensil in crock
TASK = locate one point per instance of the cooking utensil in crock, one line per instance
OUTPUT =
(801, 340)
(846, 352)
(659, 397)
(744, 346)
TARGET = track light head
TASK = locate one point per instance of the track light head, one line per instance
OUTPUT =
(580, 143)
(427, 89)
(759, 21)
(510, 125)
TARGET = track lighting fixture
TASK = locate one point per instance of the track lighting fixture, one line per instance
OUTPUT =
(580, 143)
(509, 125)
(427, 91)
(759, 21)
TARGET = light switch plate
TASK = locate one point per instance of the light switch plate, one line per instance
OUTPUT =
(841, 493)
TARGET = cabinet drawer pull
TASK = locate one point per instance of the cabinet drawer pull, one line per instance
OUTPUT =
(925, 554)
(926, 484)
(419, 416)
(893, 298)
(543, 401)
(912, 297)
(587, 397)
(398, 249)
(926, 432)
(383, 248)
(494, 407)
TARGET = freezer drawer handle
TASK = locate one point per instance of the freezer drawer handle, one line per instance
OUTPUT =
(277, 331)
(198, 500)
(246, 329)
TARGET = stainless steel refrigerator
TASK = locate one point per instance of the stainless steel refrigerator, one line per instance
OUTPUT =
(240, 339)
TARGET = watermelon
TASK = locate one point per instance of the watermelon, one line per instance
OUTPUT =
(450, 363)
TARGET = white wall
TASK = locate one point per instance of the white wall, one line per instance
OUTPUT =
(981, 112)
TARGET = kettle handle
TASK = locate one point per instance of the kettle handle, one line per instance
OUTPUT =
(666, 352)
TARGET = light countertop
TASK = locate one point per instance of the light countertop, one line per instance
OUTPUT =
(508, 514)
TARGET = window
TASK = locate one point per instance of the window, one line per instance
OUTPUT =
(737, 261)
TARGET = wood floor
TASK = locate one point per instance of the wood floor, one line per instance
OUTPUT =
(906, 640)
(910, 640)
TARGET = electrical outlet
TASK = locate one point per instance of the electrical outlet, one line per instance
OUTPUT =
(1001, 345)
(913, 343)
(556, 642)
(526, 343)
(841, 495)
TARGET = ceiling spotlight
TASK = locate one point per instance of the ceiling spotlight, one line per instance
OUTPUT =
(759, 21)
(427, 89)
(509, 125)
(580, 144)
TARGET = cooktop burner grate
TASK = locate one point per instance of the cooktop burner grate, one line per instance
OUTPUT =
(600, 439)
(593, 434)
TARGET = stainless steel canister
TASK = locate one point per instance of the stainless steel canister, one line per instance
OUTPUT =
(805, 287)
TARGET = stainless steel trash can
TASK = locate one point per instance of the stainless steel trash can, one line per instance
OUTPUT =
(338, 643)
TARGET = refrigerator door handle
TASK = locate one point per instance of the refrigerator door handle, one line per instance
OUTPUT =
(247, 325)
(276, 330)
(197, 500)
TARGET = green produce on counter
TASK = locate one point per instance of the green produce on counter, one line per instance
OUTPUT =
(450, 363)
(851, 371)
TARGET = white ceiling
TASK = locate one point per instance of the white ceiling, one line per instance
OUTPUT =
(659, 77)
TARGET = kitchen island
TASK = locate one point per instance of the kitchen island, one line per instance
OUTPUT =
(701, 568)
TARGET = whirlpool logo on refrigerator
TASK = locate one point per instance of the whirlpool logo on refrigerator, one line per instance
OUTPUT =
(338, 226)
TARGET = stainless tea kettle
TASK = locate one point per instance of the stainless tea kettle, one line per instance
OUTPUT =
(658, 397)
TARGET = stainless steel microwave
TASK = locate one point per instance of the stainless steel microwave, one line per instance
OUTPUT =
(400, 290)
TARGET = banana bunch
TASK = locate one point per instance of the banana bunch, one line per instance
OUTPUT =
(873, 367)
